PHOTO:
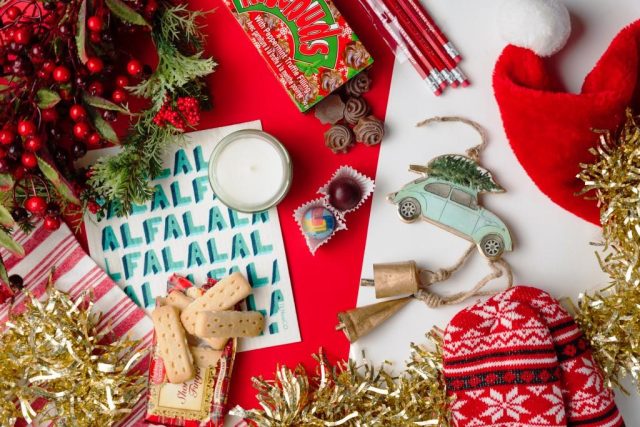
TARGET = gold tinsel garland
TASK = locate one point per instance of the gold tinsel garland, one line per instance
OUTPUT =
(53, 351)
(610, 318)
(348, 394)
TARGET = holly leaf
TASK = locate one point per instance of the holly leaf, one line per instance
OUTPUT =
(6, 182)
(47, 98)
(57, 181)
(105, 104)
(4, 276)
(103, 127)
(125, 13)
(81, 34)
(12, 246)
(6, 219)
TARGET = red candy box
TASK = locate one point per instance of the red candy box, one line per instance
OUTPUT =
(308, 45)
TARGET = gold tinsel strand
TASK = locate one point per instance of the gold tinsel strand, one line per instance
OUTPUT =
(610, 318)
(53, 351)
(351, 394)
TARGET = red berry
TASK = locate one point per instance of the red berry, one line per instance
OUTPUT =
(95, 23)
(77, 112)
(12, 13)
(36, 205)
(118, 96)
(95, 37)
(81, 130)
(93, 207)
(22, 35)
(96, 88)
(33, 143)
(29, 160)
(7, 137)
(94, 65)
(61, 74)
(48, 66)
(51, 223)
(3, 153)
(94, 140)
(134, 67)
(122, 81)
(49, 115)
(26, 128)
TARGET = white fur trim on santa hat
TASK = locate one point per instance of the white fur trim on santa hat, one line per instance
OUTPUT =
(540, 25)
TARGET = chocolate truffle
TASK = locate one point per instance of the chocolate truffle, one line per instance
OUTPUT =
(344, 193)
(369, 130)
(330, 110)
(356, 56)
(358, 85)
(355, 109)
(338, 138)
(330, 80)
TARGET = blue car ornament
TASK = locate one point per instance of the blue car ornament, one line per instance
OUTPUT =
(447, 196)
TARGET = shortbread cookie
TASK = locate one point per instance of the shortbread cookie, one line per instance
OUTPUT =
(172, 344)
(205, 357)
(229, 324)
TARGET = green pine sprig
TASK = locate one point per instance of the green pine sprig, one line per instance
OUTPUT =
(464, 171)
(123, 180)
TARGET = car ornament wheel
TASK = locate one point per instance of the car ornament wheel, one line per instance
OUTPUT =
(492, 246)
(409, 209)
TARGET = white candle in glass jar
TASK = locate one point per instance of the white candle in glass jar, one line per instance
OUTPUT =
(250, 171)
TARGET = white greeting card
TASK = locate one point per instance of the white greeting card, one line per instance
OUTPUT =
(186, 230)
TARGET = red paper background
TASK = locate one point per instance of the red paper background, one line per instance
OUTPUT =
(244, 89)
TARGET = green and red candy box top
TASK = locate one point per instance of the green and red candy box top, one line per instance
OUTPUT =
(308, 45)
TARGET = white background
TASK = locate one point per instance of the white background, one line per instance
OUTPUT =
(552, 248)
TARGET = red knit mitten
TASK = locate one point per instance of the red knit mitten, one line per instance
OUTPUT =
(588, 400)
(501, 366)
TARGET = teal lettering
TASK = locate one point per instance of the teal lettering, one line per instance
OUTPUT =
(114, 276)
(159, 200)
(200, 187)
(172, 227)
(275, 272)
(273, 328)
(137, 209)
(189, 227)
(109, 239)
(255, 280)
(214, 255)
(181, 163)
(201, 163)
(216, 220)
(260, 217)
(129, 262)
(129, 241)
(178, 199)
(277, 300)
(132, 295)
(150, 227)
(164, 173)
(217, 274)
(169, 263)
(239, 247)
(235, 220)
(196, 257)
(258, 247)
(147, 296)
(151, 263)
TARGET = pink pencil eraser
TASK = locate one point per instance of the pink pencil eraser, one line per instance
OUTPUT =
(455, 84)
(443, 85)
(458, 59)
(466, 83)
(437, 92)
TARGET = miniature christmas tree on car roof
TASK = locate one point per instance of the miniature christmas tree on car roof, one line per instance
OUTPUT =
(460, 170)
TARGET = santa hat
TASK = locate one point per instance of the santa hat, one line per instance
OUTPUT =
(549, 129)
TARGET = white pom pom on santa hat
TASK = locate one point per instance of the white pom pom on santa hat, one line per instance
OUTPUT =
(540, 25)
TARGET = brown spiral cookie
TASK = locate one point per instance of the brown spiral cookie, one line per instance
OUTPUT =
(358, 85)
(330, 110)
(356, 56)
(338, 138)
(270, 21)
(369, 130)
(330, 80)
(355, 109)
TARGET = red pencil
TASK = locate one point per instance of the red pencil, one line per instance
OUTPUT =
(399, 37)
(436, 49)
(409, 21)
(424, 16)
(416, 42)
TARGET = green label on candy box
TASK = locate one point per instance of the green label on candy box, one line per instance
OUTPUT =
(314, 30)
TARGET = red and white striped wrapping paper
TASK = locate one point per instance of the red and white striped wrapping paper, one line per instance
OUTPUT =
(75, 272)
